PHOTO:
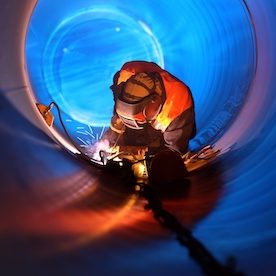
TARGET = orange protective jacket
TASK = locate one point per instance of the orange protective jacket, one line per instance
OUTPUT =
(176, 121)
(178, 96)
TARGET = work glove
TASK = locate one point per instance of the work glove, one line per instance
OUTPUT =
(117, 124)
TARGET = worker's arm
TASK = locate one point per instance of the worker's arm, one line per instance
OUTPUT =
(180, 131)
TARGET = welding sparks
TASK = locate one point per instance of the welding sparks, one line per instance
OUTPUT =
(90, 140)
(102, 145)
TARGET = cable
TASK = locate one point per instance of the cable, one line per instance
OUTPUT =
(208, 263)
(81, 155)
(197, 251)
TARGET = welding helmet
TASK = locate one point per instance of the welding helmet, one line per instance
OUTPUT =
(140, 99)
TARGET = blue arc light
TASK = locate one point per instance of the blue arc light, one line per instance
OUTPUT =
(85, 51)
(209, 45)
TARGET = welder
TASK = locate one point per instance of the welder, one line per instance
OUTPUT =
(152, 108)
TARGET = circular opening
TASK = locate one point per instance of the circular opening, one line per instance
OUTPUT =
(72, 59)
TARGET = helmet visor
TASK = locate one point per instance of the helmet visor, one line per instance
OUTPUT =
(132, 123)
(132, 114)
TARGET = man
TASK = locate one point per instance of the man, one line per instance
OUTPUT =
(152, 108)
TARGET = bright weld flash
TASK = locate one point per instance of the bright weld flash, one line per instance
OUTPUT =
(102, 145)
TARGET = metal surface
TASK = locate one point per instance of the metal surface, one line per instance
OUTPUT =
(60, 216)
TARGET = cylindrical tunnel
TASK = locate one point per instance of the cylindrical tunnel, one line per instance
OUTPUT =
(61, 216)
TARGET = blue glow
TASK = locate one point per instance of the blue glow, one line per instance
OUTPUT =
(210, 45)
(84, 52)
(73, 57)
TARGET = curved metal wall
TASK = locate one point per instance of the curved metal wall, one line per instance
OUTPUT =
(60, 215)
